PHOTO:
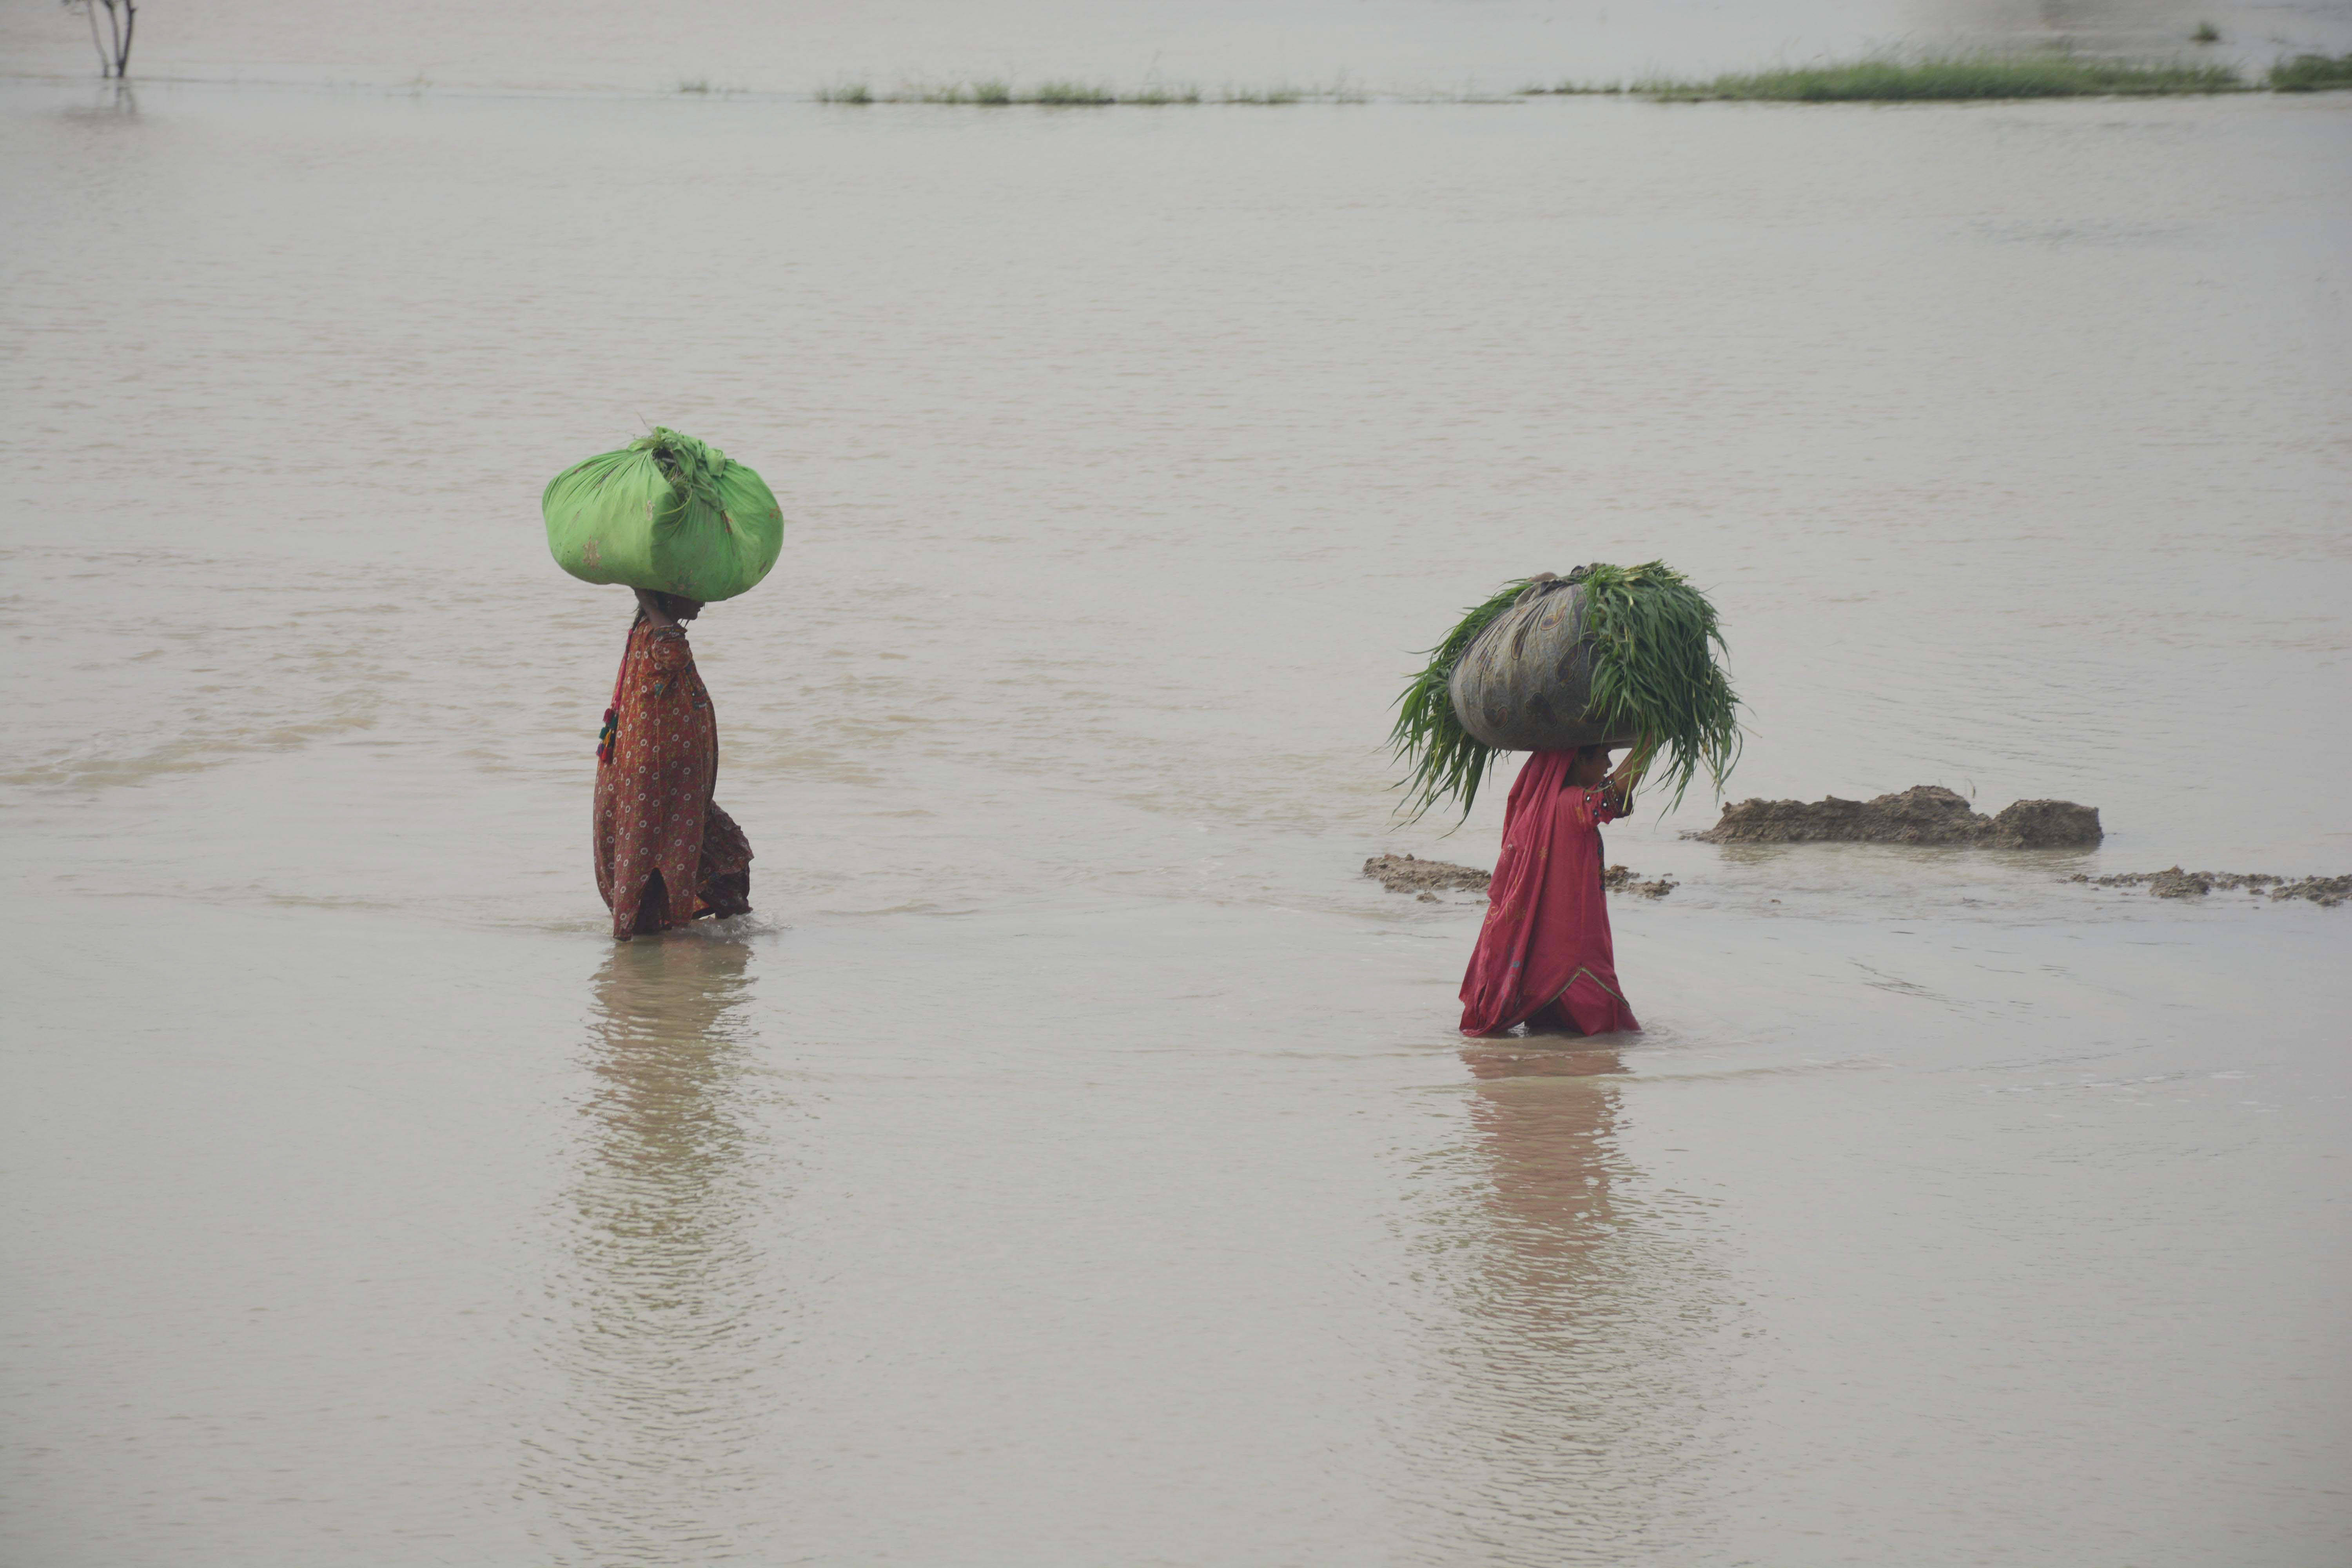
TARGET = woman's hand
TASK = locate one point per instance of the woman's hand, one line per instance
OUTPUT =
(1626, 776)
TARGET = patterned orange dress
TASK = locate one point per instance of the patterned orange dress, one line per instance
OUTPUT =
(665, 854)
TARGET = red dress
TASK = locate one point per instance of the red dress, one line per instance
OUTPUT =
(665, 854)
(1546, 940)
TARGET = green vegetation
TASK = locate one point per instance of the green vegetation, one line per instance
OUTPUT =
(699, 84)
(2312, 73)
(1071, 94)
(1951, 77)
(1654, 674)
(991, 93)
(1885, 79)
(1446, 759)
(2206, 33)
(997, 92)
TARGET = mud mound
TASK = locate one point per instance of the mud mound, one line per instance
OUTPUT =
(1924, 814)
(2174, 883)
(1625, 879)
(1406, 874)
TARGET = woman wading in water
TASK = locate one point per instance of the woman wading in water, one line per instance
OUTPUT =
(1544, 957)
(665, 854)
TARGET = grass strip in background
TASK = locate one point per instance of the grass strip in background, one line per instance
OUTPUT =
(1943, 79)
(2312, 73)
(1939, 78)
(996, 93)
(1072, 94)
(1932, 79)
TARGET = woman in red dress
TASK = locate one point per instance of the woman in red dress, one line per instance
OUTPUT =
(665, 854)
(1544, 958)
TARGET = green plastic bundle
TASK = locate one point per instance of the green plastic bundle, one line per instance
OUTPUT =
(665, 512)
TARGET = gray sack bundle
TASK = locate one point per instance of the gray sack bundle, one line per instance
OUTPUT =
(1619, 656)
(1526, 685)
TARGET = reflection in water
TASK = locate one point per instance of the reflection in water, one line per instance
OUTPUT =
(1570, 1415)
(657, 1306)
(108, 100)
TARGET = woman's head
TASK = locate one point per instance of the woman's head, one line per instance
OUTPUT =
(677, 606)
(1591, 767)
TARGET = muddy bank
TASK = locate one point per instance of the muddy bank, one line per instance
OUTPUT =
(1924, 814)
(1410, 874)
(2174, 883)
(1624, 879)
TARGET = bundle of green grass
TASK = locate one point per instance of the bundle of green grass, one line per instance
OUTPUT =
(665, 512)
(1607, 655)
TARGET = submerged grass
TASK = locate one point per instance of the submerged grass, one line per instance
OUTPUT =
(1944, 77)
(1654, 674)
(1340, 90)
(2312, 73)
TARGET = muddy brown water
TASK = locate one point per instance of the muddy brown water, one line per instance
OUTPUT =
(1073, 1162)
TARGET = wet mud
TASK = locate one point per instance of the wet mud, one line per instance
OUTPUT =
(1427, 878)
(1624, 879)
(2173, 882)
(1924, 814)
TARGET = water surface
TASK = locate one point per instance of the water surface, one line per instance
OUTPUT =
(1073, 1162)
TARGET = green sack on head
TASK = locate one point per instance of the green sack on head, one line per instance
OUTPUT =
(664, 512)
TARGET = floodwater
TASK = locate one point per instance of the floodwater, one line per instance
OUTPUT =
(1074, 1162)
